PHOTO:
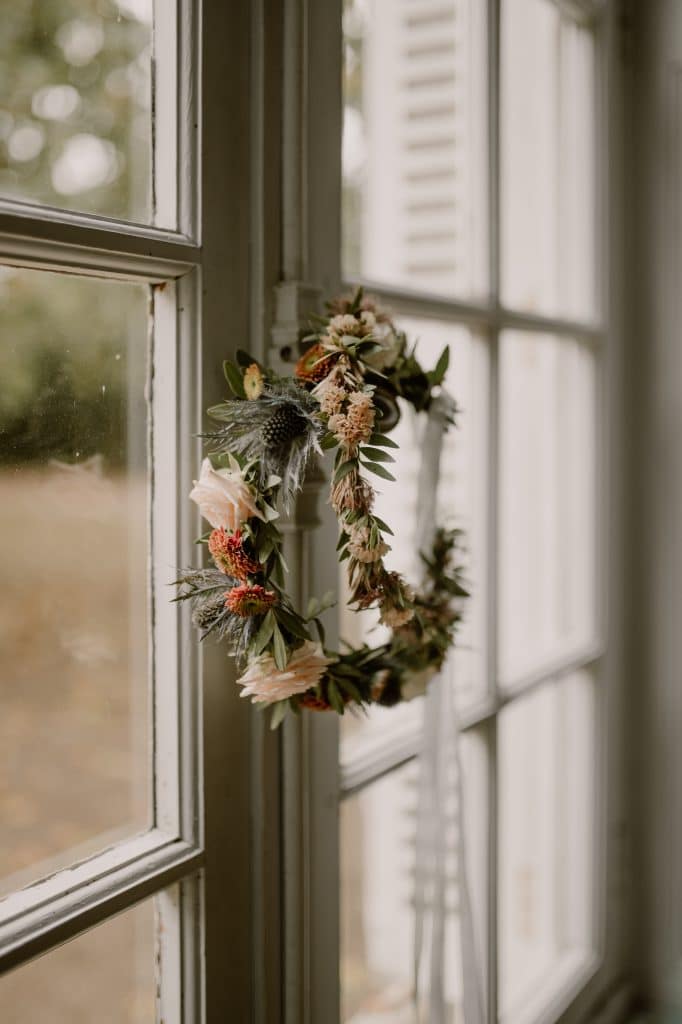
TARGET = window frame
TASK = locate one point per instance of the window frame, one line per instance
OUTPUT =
(586, 985)
(199, 745)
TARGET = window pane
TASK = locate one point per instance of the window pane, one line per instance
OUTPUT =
(546, 779)
(377, 893)
(414, 144)
(75, 113)
(548, 133)
(548, 440)
(74, 749)
(106, 975)
(398, 851)
(461, 503)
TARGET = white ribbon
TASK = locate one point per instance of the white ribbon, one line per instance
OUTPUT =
(441, 808)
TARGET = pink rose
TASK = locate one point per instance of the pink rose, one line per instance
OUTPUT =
(224, 497)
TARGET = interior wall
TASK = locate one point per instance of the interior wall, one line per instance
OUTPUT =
(654, 35)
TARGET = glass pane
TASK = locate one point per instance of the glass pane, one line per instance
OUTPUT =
(107, 975)
(546, 761)
(548, 165)
(75, 112)
(74, 749)
(399, 851)
(548, 442)
(414, 145)
(461, 499)
(377, 891)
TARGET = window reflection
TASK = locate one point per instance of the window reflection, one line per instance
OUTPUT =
(74, 771)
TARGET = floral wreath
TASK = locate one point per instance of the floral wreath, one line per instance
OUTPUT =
(355, 365)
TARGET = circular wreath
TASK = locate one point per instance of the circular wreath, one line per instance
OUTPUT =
(355, 366)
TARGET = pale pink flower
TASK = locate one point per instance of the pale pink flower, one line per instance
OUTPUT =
(264, 683)
(224, 497)
(356, 425)
(360, 549)
(391, 347)
(346, 324)
(330, 395)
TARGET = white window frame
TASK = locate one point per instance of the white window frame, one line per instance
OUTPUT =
(200, 736)
(592, 987)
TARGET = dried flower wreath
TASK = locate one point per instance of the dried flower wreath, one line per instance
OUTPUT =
(355, 365)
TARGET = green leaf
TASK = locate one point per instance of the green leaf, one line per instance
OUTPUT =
(279, 711)
(328, 441)
(262, 637)
(384, 527)
(381, 471)
(281, 560)
(265, 550)
(292, 623)
(383, 442)
(357, 300)
(320, 631)
(335, 698)
(344, 469)
(313, 608)
(245, 359)
(270, 512)
(351, 689)
(280, 648)
(234, 379)
(377, 455)
(436, 376)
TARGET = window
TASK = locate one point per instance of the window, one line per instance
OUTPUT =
(109, 843)
(470, 184)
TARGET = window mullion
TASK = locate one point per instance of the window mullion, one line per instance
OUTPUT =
(492, 599)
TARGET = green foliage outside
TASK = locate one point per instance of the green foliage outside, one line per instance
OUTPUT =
(75, 132)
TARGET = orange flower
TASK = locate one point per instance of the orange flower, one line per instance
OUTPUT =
(315, 364)
(248, 600)
(227, 551)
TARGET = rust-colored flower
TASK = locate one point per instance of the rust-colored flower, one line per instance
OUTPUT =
(227, 551)
(313, 702)
(315, 364)
(249, 599)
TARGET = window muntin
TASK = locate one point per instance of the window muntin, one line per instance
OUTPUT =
(75, 120)
(414, 145)
(75, 729)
